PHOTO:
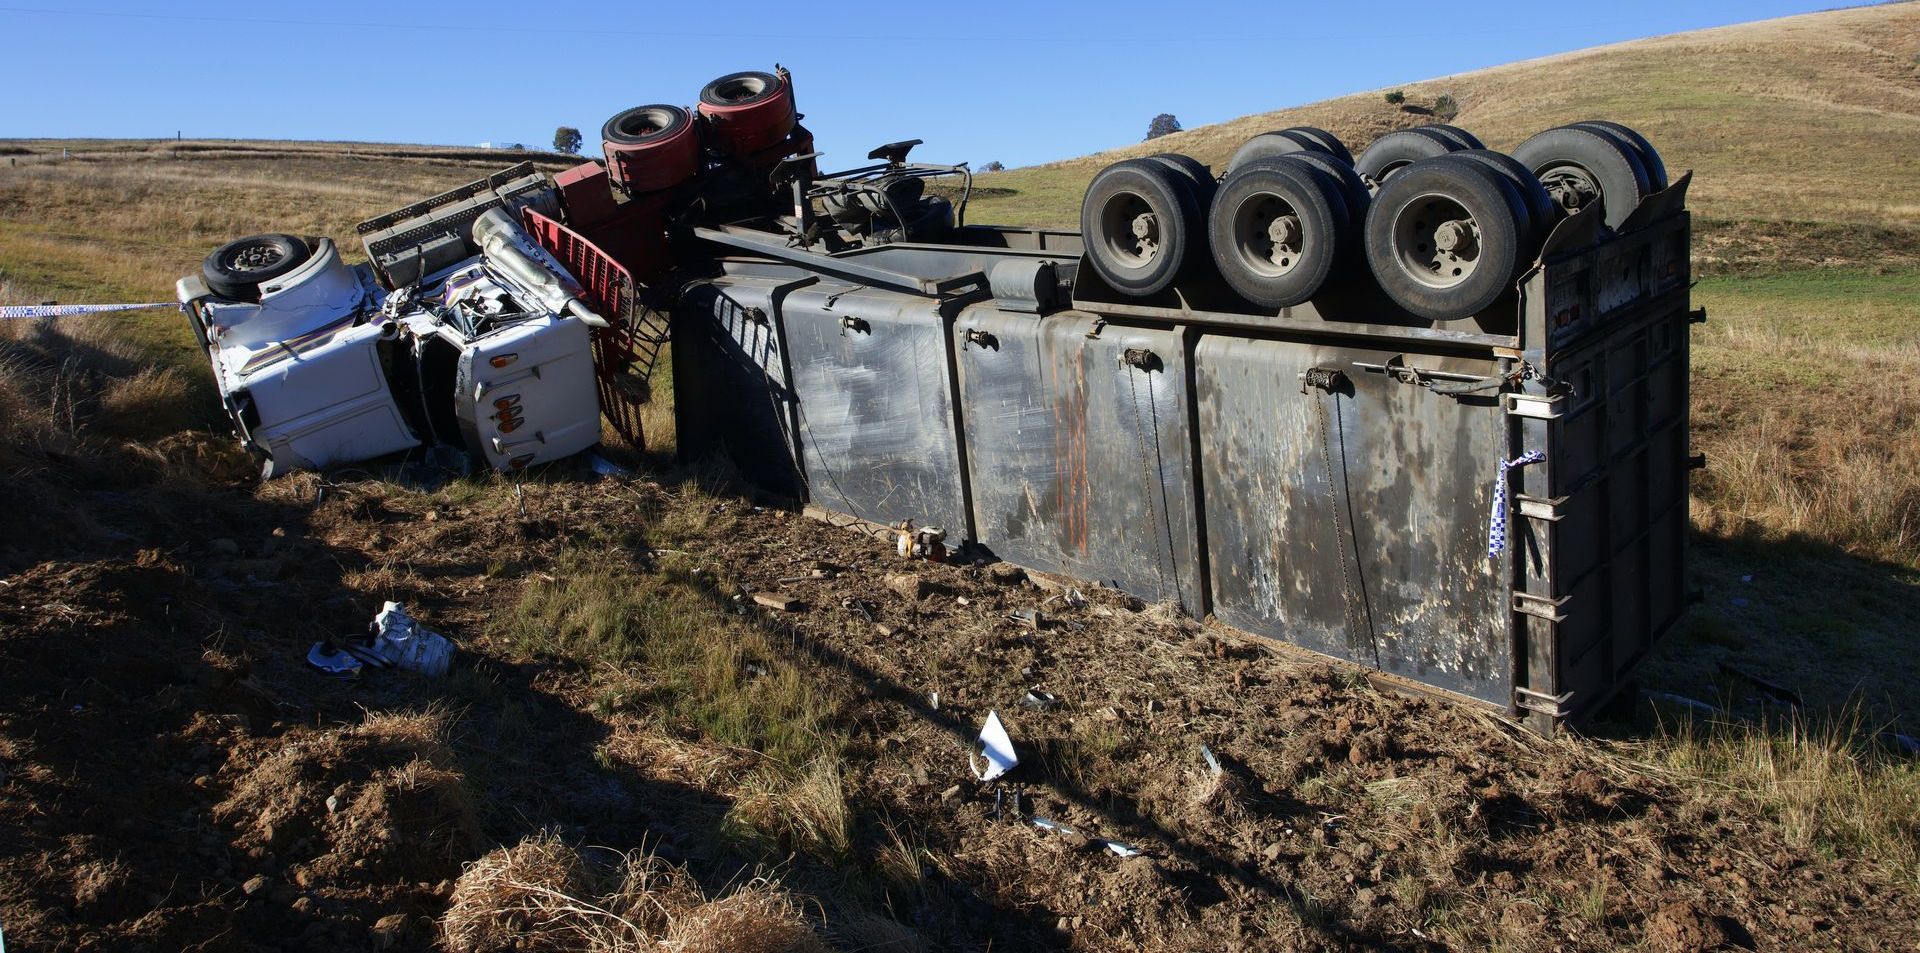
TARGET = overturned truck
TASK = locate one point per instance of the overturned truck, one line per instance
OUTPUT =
(1424, 411)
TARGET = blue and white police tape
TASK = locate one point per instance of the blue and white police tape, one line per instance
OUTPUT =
(1497, 527)
(24, 311)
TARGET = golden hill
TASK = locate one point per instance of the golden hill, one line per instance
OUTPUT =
(1808, 118)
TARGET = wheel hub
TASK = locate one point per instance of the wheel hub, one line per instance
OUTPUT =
(256, 258)
(1436, 241)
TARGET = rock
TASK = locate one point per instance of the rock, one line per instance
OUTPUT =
(390, 930)
(1682, 925)
(223, 547)
(255, 884)
(951, 794)
(777, 601)
(1273, 851)
(1363, 852)
(909, 586)
(1006, 574)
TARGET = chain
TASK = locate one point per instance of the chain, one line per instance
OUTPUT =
(1147, 469)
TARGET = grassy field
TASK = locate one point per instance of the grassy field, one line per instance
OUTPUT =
(611, 647)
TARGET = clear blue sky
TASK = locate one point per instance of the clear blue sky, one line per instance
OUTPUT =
(1019, 82)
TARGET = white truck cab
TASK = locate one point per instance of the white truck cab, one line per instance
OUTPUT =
(319, 363)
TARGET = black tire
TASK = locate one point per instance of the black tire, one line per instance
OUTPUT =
(1396, 150)
(1196, 172)
(1353, 189)
(1649, 157)
(1542, 214)
(1246, 211)
(1116, 198)
(1582, 166)
(742, 89)
(1467, 140)
(1329, 143)
(645, 124)
(1269, 144)
(237, 269)
(1404, 238)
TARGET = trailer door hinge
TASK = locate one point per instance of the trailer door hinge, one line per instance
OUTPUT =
(984, 339)
(1537, 508)
(1553, 706)
(1540, 607)
(1329, 379)
(1697, 461)
(1697, 316)
(1142, 358)
(1534, 405)
(856, 324)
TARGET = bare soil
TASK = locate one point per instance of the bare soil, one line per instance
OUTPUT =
(175, 778)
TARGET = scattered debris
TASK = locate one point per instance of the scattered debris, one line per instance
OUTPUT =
(328, 659)
(604, 467)
(996, 747)
(1213, 763)
(910, 586)
(1031, 618)
(1682, 701)
(397, 640)
(1120, 849)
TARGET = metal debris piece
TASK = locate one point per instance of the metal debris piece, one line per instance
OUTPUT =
(778, 601)
(606, 467)
(1039, 700)
(996, 747)
(1030, 618)
(1122, 850)
(1683, 701)
(1774, 692)
(1048, 825)
(328, 659)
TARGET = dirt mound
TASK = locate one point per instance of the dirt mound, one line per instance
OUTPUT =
(377, 803)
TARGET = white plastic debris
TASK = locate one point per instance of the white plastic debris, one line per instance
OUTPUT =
(996, 747)
(1122, 850)
(406, 644)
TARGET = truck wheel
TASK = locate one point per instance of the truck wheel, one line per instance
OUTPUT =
(1141, 224)
(1352, 188)
(1197, 173)
(1328, 142)
(1467, 140)
(651, 147)
(1656, 169)
(1397, 150)
(237, 269)
(749, 111)
(1580, 167)
(1542, 214)
(1269, 144)
(1443, 238)
(1276, 229)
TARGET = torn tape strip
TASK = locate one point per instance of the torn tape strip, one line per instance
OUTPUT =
(24, 311)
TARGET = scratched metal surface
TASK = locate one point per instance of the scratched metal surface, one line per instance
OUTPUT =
(1081, 462)
(1367, 544)
(730, 387)
(876, 418)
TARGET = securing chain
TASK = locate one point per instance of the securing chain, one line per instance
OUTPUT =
(1143, 360)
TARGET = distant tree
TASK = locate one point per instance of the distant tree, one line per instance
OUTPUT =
(994, 166)
(1395, 97)
(567, 139)
(517, 146)
(1445, 107)
(1162, 125)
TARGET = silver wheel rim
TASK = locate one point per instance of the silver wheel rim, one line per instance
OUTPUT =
(1267, 235)
(1436, 241)
(1130, 230)
(1570, 186)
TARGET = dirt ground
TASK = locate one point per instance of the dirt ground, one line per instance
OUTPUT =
(176, 778)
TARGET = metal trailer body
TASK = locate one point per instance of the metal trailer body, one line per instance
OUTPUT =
(1323, 476)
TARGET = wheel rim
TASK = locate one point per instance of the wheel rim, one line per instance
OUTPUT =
(1130, 230)
(740, 90)
(646, 122)
(1570, 186)
(256, 258)
(1437, 241)
(1267, 235)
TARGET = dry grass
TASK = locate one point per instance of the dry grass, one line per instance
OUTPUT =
(541, 895)
(779, 814)
(1825, 781)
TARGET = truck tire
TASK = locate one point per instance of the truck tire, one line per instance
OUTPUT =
(1142, 225)
(1352, 188)
(1329, 143)
(748, 111)
(237, 269)
(1656, 169)
(1277, 227)
(649, 148)
(1444, 238)
(1580, 167)
(1542, 214)
(1197, 173)
(1467, 140)
(1268, 144)
(1397, 150)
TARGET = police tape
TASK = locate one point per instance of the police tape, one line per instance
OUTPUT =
(21, 311)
